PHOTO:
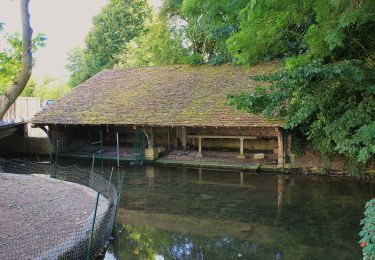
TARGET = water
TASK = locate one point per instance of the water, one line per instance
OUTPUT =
(187, 213)
(179, 213)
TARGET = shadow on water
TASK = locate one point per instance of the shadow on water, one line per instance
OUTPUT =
(186, 213)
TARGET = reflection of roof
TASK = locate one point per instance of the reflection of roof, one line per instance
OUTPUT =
(180, 95)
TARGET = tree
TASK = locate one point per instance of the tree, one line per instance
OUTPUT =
(326, 90)
(10, 61)
(29, 90)
(75, 66)
(206, 25)
(158, 44)
(117, 24)
(11, 58)
(271, 29)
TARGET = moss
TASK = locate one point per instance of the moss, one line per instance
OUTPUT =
(169, 95)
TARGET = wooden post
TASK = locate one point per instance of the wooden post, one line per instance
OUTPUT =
(280, 146)
(200, 147)
(241, 155)
(169, 141)
(183, 138)
(152, 138)
(241, 178)
(175, 144)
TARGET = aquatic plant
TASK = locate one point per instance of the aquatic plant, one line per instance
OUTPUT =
(368, 231)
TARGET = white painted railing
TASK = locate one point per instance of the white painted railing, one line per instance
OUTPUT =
(22, 110)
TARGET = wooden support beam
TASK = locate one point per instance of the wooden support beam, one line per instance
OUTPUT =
(169, 141)
(280, 147)
(151, 137)
(241, 155)
(175, 144)
(183, 138)
(200, 147)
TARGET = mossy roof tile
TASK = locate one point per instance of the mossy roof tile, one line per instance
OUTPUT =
(180, 95)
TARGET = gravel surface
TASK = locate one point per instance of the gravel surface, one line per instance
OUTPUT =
(37, 213)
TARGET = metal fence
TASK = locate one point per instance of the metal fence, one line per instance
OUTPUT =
(86, 241)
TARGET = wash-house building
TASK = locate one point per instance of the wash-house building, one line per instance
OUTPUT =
(177, 108)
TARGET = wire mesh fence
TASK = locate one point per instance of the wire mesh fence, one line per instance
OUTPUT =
(87, 239)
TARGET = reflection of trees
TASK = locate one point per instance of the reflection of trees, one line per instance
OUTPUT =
(139, 242)
(147, 242)
(135, 244)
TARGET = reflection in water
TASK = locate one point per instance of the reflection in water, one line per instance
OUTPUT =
(183, 213)
(148, 243)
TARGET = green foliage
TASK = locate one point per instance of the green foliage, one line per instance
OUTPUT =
(271, 29)
(156, 45)
(171, 7)
(327, 88)
(11, 57)
(75, 66)
(367, 233)
(11, 64)
(48, 88)
(332, 104)
(323, 29)
(28, 91)
(117, 24)
(205, 25)
(298, 144)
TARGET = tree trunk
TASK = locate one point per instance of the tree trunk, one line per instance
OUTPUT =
(17, 87)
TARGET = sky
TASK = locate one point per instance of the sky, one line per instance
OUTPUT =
(65, 24)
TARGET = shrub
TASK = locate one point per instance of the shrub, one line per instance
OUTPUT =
(368, 231)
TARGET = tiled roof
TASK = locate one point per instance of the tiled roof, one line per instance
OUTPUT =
(180, 95)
